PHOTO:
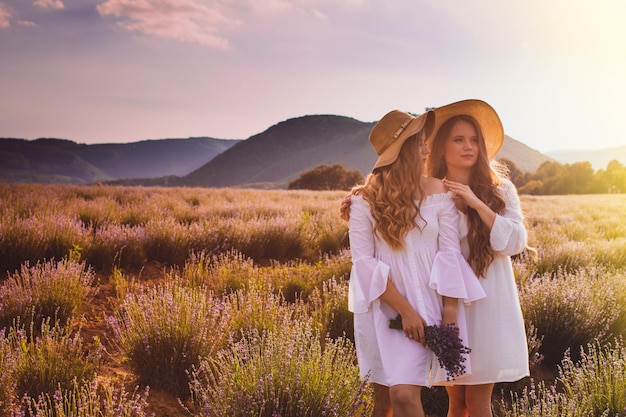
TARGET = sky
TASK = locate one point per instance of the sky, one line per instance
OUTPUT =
(103, 71)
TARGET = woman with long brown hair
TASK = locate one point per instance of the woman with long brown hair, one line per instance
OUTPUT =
(467, 136)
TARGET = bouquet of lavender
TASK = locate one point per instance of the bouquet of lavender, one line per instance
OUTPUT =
(444, 341)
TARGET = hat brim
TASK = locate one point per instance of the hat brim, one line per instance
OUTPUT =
(485, 115)
(390, 154)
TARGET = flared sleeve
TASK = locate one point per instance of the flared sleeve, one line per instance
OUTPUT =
(451, 275)
(368, 277)
(508, 235)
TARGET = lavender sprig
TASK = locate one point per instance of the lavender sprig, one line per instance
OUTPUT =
(446, 344)
(444, 341)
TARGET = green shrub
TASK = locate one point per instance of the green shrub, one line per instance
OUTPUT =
(8, 367)
(165, 330)
(89, 399)
(435, 401)
(595, 386)
(45, 235)
(50, 289)
(116, 246)
(599, 377)
(616, 282)
(330, 310)
(281, 373)
(300, 279)
(568, 312)
(259, 309)
(54, 359)
(224, 273)
(167, 241)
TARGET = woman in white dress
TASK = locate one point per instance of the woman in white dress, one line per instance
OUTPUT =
(467, 135)
(406, 260)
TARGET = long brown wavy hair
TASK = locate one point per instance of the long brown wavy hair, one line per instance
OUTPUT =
(394, 193)
(484, 181)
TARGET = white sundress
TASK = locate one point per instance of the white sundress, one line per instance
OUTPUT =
(495, 324)
(430, 266)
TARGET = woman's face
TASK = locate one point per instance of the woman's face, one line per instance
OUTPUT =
(462, 147)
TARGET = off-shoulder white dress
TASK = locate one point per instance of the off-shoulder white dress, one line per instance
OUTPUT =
(495, 324)
(431, 265)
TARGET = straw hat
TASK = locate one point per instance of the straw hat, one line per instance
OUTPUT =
(390, 133)
(483, 113)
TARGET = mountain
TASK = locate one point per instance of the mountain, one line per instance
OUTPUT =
(62, 161)
(525, 158)
(270, 159)
(599, 159)
(281, 153)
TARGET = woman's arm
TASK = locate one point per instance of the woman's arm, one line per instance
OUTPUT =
(369, 278)
(451, 276)
(508, 235)
(450, 310)
(412, 323)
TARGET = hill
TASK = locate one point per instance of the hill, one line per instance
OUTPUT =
(267, 160)
(278, 155)
(283, 151)
(599, 159)
(62, 161)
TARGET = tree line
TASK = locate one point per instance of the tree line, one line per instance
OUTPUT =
(551, 178)
(554, 178)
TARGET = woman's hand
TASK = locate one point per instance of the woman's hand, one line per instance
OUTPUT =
(344, 210)
(413, 325)
(463, 191)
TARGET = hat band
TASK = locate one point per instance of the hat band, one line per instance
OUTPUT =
(395, 136)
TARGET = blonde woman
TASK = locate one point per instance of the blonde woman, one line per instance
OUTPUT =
(406, 261)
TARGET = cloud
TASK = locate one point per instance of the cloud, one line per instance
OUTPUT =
(5, 17)
(194, 21)
(49, 4)
(26, 23)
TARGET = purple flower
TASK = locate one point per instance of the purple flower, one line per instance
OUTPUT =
(446, 344)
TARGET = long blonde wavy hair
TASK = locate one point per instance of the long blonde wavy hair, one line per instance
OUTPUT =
(394, 193)
(484, 181)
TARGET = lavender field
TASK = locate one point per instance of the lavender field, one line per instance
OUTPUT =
(129, 301)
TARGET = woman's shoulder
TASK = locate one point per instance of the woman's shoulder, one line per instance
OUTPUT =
(505, 183)
(435, 192)
(433, 186)
(358, 199)
(507, 188)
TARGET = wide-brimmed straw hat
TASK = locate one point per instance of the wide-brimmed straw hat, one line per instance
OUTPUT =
(390, 133)
(483, 113)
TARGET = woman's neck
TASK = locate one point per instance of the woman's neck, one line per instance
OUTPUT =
(459, 175)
